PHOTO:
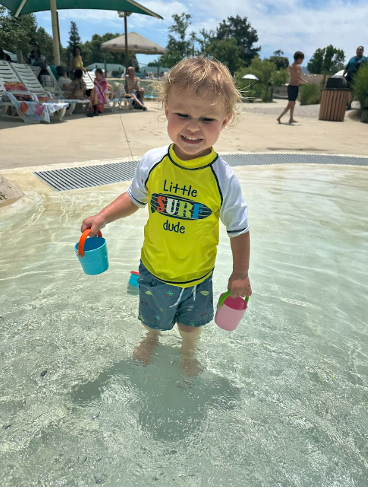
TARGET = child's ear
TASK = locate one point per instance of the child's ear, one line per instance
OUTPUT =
(226, 121)
(166, 110)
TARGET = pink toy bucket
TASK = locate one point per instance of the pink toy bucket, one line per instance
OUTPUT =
(230, 311)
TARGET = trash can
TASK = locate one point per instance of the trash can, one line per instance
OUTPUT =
(334, 99)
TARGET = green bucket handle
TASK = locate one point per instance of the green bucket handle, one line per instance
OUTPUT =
(225, 295)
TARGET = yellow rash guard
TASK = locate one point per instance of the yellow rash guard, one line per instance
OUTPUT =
(186, 199)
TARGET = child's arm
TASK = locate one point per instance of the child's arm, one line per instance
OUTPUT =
(239, 283)
(119, 208)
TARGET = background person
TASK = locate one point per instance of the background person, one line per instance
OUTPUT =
(133, 88)
(99, 95)
(64, 81)
(351, 69)
(296, 79)
(77, 60)
(36, 58)
(77, 87)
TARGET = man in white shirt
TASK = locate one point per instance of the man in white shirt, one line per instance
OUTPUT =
(63, 80)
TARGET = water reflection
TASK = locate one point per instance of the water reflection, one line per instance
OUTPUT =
(170, 407)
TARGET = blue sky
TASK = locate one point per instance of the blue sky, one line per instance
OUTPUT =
(289, 25)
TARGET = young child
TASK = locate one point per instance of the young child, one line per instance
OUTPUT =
(188, 188)
(77, 87)
(296, 79)
(99, 95)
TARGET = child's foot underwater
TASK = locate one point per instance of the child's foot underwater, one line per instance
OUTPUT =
(190, 365)
(145, 349)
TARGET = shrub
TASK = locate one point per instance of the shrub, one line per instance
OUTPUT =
(309, 95)
(360, 87)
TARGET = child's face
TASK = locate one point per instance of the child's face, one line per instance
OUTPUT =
(299, 60)
(98, 76)
(194, 122)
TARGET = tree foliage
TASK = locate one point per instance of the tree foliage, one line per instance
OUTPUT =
(279, 59)
(231, 43)
(245, 35)
(180, 44)
(16, 33)
(327, 60)
(74, 37)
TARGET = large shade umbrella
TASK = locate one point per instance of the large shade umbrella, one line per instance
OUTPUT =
(135, 44)
(20, 7)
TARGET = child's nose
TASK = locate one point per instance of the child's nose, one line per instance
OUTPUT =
(193, 125)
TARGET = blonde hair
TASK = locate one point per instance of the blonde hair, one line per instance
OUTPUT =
(196, 73)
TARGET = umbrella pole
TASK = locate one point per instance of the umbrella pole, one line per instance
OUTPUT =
(126, 41)
(55, 32)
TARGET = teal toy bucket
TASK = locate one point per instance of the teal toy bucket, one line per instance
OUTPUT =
(133, 280)
(92, 253)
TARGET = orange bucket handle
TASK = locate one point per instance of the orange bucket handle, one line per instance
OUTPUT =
(82, 240)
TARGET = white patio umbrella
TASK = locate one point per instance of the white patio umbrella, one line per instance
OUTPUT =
(250, 77)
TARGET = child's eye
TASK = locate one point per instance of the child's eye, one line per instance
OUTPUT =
(207, 119)
(183, 116)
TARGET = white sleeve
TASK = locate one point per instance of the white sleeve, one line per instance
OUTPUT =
(234, 211)
(137, 191)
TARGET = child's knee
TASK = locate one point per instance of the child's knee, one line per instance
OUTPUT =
(189, 331)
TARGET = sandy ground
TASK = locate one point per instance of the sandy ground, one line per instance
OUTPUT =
(127, 134)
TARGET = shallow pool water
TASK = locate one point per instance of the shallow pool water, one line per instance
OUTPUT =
(281, 401)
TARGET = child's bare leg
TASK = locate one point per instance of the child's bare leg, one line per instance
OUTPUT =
(288, 107)
(292, 121)
(190, 364)
(143, 352)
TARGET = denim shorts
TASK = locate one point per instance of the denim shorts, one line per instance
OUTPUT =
(161, 306)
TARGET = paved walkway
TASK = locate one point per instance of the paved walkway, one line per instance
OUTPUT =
(79, 141)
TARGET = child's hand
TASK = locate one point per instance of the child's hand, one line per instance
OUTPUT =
(94, 223)
(239, 285)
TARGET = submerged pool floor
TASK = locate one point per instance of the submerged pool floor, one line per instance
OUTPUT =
(281, 401)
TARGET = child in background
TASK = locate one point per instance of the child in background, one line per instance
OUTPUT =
(77, 87)
(99, 95)
(188, 187)
(296, 79)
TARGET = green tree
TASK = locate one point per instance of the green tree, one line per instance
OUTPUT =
(228, 52)
(268, 77)
(16, 33)
(74, 37)
(326, 60)
(245, 35)
(279, 59)
(180, 44)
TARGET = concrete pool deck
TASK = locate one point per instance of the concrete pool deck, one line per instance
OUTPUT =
(126, 135)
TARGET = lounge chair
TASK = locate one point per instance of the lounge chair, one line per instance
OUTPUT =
(32, 84)
(36, 70)
(5, 101)
(13, 87)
